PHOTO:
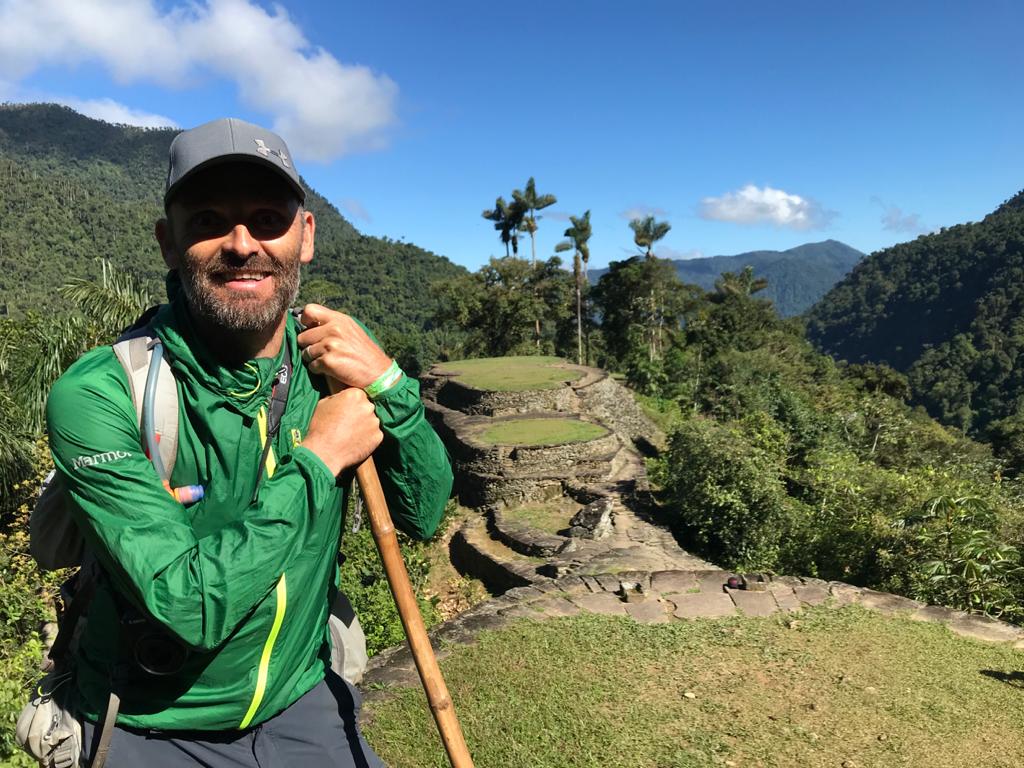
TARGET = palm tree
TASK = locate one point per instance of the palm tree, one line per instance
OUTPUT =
(508, 221)
(578, 234)
(740, 284)
(532, 202)
(499, 215)
(107, 306)
(647, 231)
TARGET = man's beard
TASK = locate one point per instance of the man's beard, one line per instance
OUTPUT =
(239, 312)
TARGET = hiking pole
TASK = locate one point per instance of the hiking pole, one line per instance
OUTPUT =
(383, 528)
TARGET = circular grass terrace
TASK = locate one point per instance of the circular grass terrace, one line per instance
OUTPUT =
(540, 432)
(511, 374)
(549, 517)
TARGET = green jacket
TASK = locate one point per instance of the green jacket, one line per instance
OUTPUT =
(244, 586)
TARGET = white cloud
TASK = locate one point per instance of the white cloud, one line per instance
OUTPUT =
(765, 205)
(556, 215)
(895, 220)
(354, 209)
(323, 108)
(642, 211)
(115, 112)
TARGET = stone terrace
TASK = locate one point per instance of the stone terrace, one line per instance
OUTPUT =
(604, 477)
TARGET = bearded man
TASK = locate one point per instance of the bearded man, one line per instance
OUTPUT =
(239, 583)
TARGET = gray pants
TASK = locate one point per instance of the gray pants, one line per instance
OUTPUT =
(317, 730)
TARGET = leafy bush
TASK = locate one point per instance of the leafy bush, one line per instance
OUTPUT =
(729, 493)
(784, 461)
(364, 581)
(24, 607)
(961, 560)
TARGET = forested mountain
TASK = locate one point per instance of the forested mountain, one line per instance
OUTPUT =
(947, 309)
(73, 189)
(796, 278)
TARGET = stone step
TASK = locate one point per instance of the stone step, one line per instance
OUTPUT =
(474, 553)
(523, 538)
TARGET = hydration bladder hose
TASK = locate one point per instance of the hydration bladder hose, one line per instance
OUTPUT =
(185, 494)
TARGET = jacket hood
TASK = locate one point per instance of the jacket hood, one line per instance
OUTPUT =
(244, 388)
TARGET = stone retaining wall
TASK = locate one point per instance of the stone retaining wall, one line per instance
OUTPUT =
(459, 397)
(612, 404)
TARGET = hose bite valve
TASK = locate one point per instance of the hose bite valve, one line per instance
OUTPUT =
(186, 494)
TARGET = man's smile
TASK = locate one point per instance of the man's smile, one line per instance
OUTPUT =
(242, 281)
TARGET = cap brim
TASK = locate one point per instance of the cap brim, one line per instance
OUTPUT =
(240, 157)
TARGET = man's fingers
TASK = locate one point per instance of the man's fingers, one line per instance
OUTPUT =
(313, 334)
(322, 355)
(317, 314)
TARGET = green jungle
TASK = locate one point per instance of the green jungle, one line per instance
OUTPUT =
(878, 440)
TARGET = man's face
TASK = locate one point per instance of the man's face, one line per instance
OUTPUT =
(238, 237)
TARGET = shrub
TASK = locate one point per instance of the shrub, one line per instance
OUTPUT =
(728, 492)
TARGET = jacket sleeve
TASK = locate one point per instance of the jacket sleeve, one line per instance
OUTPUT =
(200, 589)
(415, 472)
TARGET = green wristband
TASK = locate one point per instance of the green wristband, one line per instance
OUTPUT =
(385, 381)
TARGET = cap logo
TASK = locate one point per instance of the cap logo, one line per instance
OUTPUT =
(266, 151)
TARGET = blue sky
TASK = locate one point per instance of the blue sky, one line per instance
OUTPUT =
(746, 125)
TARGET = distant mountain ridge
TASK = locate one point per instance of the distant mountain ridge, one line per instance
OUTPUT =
(73, 189)
(797, 277)
(947, 309)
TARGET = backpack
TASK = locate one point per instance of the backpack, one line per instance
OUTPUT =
(54, 540)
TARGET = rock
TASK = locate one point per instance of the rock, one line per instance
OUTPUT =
(595, 520)
(603, 603)
(632, 591)
(754, 603)
(571, 545)
(703, 604)
(650, 612)
(690, 695)
(673, 581)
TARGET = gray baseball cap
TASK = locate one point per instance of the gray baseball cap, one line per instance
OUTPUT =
(228, 140)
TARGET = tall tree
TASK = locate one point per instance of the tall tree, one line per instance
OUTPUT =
(578, 234)
(499, 214)
(740, 284)
(647, 231)
(495, 304)
(531, 202)
(633, 332)
(105, 307)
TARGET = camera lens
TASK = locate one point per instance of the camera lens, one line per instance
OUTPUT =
(159, 655)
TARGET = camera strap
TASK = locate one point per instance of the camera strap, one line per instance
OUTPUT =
(275, 411)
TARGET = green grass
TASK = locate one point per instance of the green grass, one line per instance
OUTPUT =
(540, 432)
(512, 374)
(828, 687)
(664, 413)
(550, 517)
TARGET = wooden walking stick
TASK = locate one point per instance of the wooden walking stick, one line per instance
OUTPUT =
(440, 701)
(422, 652)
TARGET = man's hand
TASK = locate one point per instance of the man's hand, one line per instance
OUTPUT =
(334, 345)
(344, 430)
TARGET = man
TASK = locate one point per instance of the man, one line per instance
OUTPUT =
(210, 621)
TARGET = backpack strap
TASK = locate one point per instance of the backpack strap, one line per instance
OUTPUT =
(134, 351)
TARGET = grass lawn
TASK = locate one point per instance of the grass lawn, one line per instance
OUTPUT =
(540, 432)
(547, 516)
(826, 688)
(512, 374)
